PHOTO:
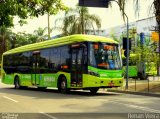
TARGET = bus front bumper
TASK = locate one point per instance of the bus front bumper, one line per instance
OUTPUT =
(93, 81)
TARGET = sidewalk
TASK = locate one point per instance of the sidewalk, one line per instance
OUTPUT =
(149, 87)
(135, 93)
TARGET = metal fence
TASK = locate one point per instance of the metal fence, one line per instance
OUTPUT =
(150, 85)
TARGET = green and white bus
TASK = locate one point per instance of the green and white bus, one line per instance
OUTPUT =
(139, 69)
(72, 62)
(132, 68)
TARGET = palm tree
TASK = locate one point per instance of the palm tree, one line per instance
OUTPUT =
(22, 38)
(40, 33)
(155, 5)
(156, 8)
(78, 21)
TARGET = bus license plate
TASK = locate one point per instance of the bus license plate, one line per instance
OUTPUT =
(110, 84)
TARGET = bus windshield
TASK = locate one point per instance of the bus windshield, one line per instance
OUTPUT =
(105, 56)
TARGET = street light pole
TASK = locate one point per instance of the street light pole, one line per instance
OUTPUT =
(127, 58)
(159, 50)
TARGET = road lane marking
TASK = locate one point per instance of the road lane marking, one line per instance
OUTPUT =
(138, 107)
(50, 116)
(10, 99)
(134, 106)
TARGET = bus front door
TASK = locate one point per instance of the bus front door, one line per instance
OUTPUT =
(35, 66)
(76, 67)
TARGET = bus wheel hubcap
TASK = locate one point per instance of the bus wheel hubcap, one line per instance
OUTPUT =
(17, 84)
(63, 84)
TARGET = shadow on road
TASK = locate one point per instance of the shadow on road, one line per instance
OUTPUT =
(53, 93)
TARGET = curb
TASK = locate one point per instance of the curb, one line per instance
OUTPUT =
(136, 93)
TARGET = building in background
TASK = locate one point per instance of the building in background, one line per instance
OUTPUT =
(145, 26)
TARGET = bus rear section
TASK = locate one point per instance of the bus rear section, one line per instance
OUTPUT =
(132, 68)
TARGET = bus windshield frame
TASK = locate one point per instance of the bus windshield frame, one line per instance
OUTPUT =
(105, 56)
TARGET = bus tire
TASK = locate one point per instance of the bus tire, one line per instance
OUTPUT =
(94, 90)
(141, 76)
(42, 88)
(17, 83)
(62, 86)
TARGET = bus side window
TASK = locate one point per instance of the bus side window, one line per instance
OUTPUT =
(53, 59)
(51, 65)
(65, 56)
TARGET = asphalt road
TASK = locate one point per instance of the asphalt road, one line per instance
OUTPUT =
(32, 103)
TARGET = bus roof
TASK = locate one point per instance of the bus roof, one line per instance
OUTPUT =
(60, 41)
(131, 55)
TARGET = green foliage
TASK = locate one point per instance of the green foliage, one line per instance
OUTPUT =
(10, 40)
(4, 38)
(113, 36)
(27, 8)
(146, 54)
(40, 34)
(21, 39)
(77, 21)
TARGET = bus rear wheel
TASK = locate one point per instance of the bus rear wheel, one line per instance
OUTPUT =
(142, 76)
(94, 90)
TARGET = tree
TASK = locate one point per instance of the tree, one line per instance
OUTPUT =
(21, 39)
(147, 58)
(27, 8)
(77, 21)
(4, 38)
(155, 5)
(23, 9)
(40, 34)
(113, 36)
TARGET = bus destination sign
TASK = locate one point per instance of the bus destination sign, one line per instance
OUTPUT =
(94, 3)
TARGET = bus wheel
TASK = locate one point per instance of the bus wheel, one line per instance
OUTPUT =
(94, 90)
(17, 83)
(141, 76)
(63, 85)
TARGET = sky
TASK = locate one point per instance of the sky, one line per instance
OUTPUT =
(110, 17)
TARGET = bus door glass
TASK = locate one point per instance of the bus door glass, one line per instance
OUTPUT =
(35, 66)
(76, 66)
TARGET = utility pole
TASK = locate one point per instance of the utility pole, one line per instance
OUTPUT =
(159, 50)
(48, 15)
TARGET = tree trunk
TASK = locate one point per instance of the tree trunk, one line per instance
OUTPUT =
(49, 27)
(82, 21)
